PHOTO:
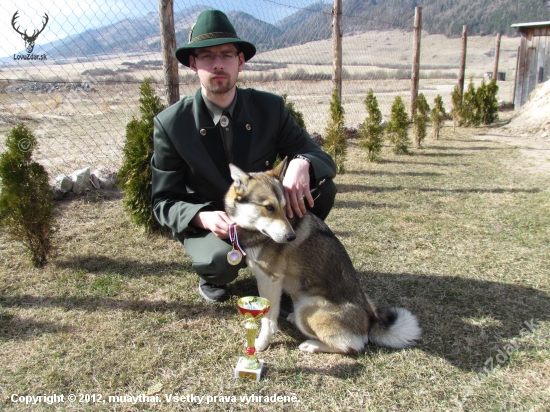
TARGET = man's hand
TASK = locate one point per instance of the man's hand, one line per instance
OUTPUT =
(296, 184)
(216, 221)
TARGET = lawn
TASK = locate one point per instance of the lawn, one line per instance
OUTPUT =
(457, 232)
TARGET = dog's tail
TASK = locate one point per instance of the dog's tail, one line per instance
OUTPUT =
(395, 328)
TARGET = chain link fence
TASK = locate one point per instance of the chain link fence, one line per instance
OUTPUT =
(79, 85)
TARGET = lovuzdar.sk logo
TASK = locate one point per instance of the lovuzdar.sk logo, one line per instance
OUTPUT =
(29, 39)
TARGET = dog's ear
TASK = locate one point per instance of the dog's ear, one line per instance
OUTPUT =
(240, 179)
(280, 170)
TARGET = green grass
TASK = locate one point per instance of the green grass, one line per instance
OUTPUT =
(457, 232)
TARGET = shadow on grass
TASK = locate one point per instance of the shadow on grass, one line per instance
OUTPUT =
(410, 174)
(17, 327)
(464, 320)
(405, 162)
(351, 188)
(13, 327)
(123, 267)
(472, 148)
(421, 154)
(339, 371)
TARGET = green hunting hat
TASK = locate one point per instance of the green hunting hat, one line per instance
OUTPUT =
(213, 28)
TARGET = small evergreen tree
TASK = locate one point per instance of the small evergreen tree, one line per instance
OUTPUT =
(298, 116)
(26, 204)
(487, 101)
(456, 111)
(479, 106)
(135, 173)
(470, 112)
(371, 134)
(335, 140)
(437, 115)
(397, 127)
(420, 119)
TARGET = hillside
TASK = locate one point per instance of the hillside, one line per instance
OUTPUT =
(483, 17)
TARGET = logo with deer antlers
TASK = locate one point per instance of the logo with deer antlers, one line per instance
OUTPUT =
(29, 40)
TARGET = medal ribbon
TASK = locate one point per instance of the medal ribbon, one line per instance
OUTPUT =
(235, 239)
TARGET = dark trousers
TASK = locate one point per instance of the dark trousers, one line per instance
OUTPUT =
(209, 253)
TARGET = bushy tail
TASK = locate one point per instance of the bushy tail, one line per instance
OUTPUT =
(396, 328)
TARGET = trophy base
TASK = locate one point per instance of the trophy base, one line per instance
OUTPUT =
(248, 374)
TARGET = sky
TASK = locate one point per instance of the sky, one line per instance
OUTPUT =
(68, 17)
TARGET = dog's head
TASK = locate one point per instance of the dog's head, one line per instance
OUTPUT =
(256, 201)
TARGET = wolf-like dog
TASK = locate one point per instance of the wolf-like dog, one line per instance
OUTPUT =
(302, 257)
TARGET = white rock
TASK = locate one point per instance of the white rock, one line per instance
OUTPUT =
(545, 134)
(63, 183)
(105, 178)
(94, 181)
(81, 180)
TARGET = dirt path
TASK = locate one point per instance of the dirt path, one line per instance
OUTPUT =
(534, 148)
(528, 129)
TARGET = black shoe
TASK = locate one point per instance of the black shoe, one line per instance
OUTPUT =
(212, 292)
(287, 307)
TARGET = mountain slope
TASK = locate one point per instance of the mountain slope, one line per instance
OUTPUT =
(447, 17)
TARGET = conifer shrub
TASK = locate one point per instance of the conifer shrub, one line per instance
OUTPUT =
(335, 137)
(397, 127)
(456, 111)
(26, 200)
(437, 115)
(371, 135)
(487, 100)
(135, 175)
(420, 119)
(298, 116)
(479, 106)
(470, 114)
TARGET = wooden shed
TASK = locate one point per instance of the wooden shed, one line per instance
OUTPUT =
(533, 64)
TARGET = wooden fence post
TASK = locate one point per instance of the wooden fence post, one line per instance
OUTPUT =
(463, 60)
(497, 53)
(415, 74)
(337, 47)
(168, 44)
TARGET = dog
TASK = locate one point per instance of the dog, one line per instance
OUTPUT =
(302, 257)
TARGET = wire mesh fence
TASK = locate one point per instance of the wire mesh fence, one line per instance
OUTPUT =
(79, 85)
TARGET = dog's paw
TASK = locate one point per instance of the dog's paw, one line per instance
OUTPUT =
(311, 346)
(262, 342)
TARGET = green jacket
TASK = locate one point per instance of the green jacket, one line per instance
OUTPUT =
(190, 170)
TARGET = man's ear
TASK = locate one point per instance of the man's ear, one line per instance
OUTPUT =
(241, 61)
(240, 179)
(280, 170)
(193, 63)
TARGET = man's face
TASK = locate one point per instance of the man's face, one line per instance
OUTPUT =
(217, 67)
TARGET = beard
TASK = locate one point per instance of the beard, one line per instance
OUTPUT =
(220, 87)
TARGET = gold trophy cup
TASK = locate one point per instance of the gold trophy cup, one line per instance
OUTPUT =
(253, 309)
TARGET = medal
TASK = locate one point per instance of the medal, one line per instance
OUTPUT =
(235, 256)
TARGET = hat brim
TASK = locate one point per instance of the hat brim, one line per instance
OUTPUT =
(183, 53)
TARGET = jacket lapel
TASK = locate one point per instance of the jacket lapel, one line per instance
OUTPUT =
(242, 135)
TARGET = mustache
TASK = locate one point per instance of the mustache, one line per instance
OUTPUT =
(218, 73)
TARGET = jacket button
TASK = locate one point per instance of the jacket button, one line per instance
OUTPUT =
(267, 162)
(203, 132)
(248, 127)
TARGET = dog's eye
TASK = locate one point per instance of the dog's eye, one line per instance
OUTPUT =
(270, 208)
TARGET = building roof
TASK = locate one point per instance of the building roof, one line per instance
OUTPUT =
(533, 24)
